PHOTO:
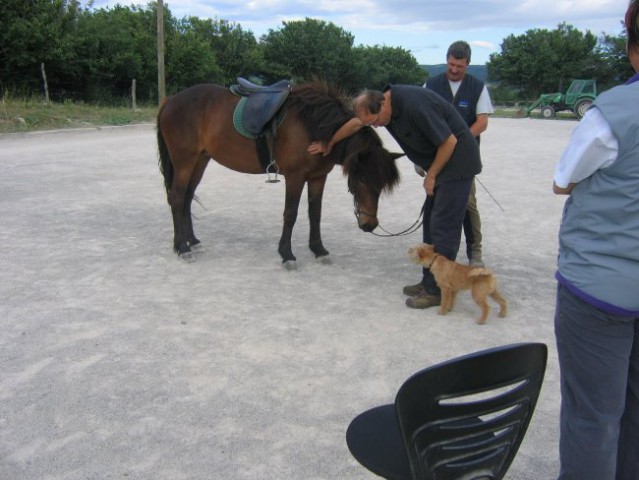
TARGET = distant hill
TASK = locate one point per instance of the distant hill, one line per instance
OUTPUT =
(478, 71)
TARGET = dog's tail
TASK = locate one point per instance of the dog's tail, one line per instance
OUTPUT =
(480, 272)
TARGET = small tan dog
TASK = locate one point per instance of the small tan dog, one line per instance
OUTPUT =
(452, 277)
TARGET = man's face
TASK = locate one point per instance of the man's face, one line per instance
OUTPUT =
(367, 118)
(456, 68)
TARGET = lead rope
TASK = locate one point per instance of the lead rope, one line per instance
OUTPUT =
(412, 229)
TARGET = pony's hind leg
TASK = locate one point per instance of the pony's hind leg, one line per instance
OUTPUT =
(180, 224)
(193, 242)
(180, 201)
(315, 194)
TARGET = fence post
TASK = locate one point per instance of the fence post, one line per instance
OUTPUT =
(46, 85)
(133, 95)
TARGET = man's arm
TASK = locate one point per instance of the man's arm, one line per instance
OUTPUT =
(592, 147)
(480, 125)
(444, 152)
(562, 190)
(346, 130)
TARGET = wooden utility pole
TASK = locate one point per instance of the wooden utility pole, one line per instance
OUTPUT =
(161, 81)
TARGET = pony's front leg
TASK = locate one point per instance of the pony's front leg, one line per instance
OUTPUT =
(294, 189)
(315, 194)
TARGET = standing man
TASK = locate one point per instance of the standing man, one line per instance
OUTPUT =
(470, 97)
(435, 138)
(597, 310)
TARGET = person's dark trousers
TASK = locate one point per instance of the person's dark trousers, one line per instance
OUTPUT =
(443, 218)
(599, 378)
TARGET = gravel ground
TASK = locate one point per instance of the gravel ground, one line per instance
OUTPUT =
(118, 361)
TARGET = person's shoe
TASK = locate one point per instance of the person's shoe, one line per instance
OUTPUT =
(425, 300)
(413, 290)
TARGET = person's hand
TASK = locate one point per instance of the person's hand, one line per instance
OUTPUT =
(429, 185)
(420, 171)
(315, 148)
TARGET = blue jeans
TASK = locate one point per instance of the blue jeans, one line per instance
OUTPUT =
(599, 367)
(443, 219)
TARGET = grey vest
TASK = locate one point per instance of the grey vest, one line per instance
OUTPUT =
(599, 234)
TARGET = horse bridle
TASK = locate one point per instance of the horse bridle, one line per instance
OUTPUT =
(412, 229)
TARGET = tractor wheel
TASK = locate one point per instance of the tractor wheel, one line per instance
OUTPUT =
(548, 111)
(582, 107)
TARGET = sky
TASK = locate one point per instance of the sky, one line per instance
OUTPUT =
(424, 27)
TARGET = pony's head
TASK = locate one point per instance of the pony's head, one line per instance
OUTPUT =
(370, 168)
(371, 171)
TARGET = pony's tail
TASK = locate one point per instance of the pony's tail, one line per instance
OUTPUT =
(166, 167)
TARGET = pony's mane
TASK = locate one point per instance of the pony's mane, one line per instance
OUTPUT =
(322, 109)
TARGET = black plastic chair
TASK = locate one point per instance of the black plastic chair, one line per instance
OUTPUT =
(461, 419)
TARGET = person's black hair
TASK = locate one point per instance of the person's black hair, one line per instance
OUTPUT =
(632, 24)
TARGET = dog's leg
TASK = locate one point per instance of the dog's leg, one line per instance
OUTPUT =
(453, 297)
(482, 301)
(443, 306)
(503, 304)
(485, 310)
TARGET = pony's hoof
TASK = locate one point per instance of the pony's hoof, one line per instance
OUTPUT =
(290, 265)
(187, 257)
(324, 260)
(198, 248)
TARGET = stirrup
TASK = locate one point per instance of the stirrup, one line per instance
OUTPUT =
(272, 176)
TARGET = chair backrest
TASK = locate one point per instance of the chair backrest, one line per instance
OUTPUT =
(466, 418)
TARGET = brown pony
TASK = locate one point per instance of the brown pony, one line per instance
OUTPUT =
(196, 125)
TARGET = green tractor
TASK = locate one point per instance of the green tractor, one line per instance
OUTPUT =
(577, 99)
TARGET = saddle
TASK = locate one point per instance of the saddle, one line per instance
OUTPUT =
(261, 105)
(258, 114)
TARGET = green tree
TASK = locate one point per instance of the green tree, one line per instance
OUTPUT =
(189, 56)
(374, 67)
(545, 61)
(111, 47)
(615, 67)
(308, 49)
(31, 33)
(235, 50)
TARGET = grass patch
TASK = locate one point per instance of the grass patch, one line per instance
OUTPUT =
(26, 115)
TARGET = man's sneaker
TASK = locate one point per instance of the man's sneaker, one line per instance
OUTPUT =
(425, 300)
(413, 290)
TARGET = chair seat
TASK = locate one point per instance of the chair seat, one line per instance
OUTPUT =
(374, 439)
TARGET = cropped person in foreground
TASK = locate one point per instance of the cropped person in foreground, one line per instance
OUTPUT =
(597, 310)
